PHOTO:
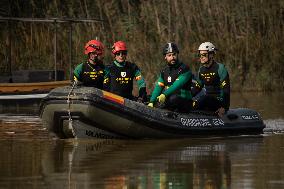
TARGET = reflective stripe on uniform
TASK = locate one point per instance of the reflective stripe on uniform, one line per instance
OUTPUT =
(223, 83)
(138, 77)
(161, 84)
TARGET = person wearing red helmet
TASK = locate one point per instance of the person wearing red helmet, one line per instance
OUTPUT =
(91, 72)
(121, 73)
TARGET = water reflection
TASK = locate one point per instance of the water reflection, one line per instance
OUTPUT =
(31, 158)
(205, 163)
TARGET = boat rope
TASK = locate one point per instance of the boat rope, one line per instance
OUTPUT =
(70, 121)
(70, 160)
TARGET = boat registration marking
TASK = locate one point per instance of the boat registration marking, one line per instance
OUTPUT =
(201, 122)
(250, 117)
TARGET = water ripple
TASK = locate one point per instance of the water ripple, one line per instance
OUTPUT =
(274, 126)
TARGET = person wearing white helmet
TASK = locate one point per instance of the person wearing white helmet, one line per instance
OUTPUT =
(173, 86)
(214, 78)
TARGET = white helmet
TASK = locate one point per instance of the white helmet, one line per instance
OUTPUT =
(207, 46)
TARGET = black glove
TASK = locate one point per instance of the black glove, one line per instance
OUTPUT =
(142, 95)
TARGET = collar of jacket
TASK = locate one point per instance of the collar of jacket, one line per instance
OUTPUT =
(95, 63)
(213, 62)
(122, 64)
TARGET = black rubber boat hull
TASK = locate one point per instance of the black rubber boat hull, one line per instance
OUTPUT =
(99, 114)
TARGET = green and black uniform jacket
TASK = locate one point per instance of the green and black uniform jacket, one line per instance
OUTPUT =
(91, 75)
(216, 81)
(119, 79)
(173, 79)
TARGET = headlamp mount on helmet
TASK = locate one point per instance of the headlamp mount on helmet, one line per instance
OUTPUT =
(170, 48)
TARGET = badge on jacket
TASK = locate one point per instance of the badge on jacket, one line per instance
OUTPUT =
(123, 74)
(169, 79)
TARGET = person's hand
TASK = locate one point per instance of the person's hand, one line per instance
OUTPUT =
(151, 105)
(220, 112)
(161, 98)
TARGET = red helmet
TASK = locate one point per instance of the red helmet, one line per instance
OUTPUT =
(119, 46)
(94, 46)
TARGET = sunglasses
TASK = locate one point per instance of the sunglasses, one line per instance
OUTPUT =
(121, 53)
(203, 55)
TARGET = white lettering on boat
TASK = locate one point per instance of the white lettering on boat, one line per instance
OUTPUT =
(201, 122)
(250, 117)
(218, 122)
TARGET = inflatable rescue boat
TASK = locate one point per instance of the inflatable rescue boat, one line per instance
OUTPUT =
(86, 112)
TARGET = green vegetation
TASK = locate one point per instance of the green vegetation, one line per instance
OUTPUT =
(249, 34)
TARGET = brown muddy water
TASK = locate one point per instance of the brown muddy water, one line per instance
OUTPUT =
(31, 158)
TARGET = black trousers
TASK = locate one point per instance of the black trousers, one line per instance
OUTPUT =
(208, 103)
(178, 104)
